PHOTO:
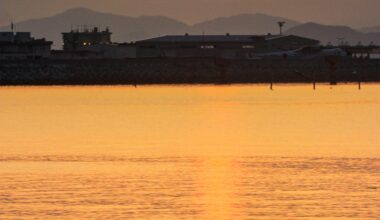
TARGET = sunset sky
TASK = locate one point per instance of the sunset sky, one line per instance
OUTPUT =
(355, 13)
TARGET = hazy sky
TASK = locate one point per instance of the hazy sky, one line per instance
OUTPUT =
(356, 13)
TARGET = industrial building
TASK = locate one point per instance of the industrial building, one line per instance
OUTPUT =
(364, 52)
(84, 37)
(226, 46)
(20, 45)
(91, 43)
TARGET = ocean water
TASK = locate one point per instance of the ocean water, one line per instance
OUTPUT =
(190, 152)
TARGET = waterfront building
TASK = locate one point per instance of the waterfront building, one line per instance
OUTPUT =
(364, 52)
(93, 44)
(21, 45)
(226, 46)
(98, 51)
(82, 38)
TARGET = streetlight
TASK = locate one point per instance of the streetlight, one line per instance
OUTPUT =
(281, 25)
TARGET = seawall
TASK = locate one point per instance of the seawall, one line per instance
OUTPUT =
(185, 71)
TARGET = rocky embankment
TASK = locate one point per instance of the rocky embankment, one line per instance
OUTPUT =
(185, 71)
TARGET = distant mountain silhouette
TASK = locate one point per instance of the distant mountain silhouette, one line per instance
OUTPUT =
(124, 28)
(327, 34)
(374, 29)
(243, 24)
(127, 29)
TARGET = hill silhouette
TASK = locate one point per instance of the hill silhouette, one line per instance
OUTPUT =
(127, 29)
(124, 28)
(330, 34)
(244, 24)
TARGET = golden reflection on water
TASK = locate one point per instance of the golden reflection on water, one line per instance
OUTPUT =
(218, 180)
(182, 120)
(190, 152)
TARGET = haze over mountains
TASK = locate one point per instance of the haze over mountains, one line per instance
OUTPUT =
(372, 29)
(243, 24)
(127, 29)
(334, 34)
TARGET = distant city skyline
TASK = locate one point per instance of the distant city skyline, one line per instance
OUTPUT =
(354, 13)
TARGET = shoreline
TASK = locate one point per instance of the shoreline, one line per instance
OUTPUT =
(282, 84)
(187, 71)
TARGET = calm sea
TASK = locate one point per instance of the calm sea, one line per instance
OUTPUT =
(190, 152)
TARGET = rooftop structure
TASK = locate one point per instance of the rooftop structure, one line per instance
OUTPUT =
(228, 46)
(21, 45)
(205, 38)
(80, 39)
(16, 37)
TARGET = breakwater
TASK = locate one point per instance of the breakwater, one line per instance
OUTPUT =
(185, 71)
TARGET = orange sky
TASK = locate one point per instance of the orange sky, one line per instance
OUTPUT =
(356, 13)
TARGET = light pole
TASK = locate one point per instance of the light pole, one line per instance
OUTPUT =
(281, 25)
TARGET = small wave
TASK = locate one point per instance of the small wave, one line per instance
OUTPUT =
(81, 158)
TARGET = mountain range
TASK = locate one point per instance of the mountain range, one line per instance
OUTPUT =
(328, 34)
(129, 29)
